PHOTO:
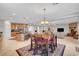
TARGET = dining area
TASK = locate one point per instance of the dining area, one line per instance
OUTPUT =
(42, 44)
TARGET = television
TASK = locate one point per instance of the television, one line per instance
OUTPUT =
(60, 29)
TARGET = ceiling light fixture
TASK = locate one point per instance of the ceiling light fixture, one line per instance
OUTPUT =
(44, 21)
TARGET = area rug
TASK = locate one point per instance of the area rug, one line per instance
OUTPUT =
(59, 51)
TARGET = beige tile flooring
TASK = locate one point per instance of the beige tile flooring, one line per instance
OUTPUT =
(8, 47)
(70, 46)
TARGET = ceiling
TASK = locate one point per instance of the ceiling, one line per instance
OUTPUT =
(33, 12)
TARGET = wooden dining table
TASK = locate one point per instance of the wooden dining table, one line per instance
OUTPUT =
(45, 36)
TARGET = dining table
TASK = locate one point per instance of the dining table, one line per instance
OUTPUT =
(42, 39)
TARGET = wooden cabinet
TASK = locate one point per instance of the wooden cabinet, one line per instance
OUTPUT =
(15, 26)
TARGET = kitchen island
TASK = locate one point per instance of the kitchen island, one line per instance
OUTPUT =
(22, 36)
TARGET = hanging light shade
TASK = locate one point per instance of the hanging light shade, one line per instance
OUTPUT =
(42, 22)
(46, 21)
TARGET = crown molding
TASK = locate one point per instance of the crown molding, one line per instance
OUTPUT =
(68, 16)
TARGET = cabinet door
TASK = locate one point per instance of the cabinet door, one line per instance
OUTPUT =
(13, 26)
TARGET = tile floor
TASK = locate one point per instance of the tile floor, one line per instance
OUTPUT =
(8, 47)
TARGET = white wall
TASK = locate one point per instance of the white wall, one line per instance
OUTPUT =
(61, 34)
(1, 26)
(31, 29)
